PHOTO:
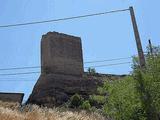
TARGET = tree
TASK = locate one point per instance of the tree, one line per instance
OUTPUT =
(136, 97)
(148, 83)
(91, 71)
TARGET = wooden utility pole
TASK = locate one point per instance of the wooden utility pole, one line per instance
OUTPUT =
(150, 47)
(137, 38)
(150, 111)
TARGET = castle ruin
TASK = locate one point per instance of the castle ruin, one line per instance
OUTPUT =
(61, 71)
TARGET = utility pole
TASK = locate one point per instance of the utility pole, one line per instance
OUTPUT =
(150, 47)
(146, 101)
(137, 38)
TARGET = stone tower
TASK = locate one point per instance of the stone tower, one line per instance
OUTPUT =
(61, 71)
(61, 54)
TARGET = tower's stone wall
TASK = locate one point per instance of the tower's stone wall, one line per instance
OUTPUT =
(61, 54)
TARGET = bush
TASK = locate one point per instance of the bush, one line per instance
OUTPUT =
(148, 84)
(101, 91)
(75, 101)
(97, 99)
(136, 97)
(123, 100)
(86, 105)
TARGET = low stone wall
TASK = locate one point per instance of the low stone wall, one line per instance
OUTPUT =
(104, 77)
(11, 97)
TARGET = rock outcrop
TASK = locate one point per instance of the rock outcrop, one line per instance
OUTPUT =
(56, 89)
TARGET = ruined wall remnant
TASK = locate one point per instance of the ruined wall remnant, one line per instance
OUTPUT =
(61, 54)
(62, 71)
(11, 97)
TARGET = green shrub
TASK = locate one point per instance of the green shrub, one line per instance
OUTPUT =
(86, 105)
(101, 91)
(148, 83)
(75, 100)
(136, 97)
(123, 100)
(97, 99)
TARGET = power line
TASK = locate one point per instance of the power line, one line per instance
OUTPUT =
(88, 62)
(108, 65)
(19, 68)
(25, 73)
(108, 60)
(22, 73)
(62, 19)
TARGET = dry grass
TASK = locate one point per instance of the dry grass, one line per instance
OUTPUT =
(12, 111)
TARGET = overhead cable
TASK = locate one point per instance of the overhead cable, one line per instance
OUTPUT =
(108, 65)
(88, 62)
(61, 19)
(25, 73)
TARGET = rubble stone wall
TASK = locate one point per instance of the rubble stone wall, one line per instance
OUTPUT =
(61, 54)
(11, 97)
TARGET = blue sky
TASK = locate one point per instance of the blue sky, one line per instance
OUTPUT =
(103, 37)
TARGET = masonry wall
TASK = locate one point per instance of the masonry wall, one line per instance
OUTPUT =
(62, 71)
(61, 54)
(11, 97)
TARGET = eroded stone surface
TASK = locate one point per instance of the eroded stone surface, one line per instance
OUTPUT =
(56, 89)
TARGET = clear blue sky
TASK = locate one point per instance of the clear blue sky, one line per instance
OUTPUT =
(103, 37)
